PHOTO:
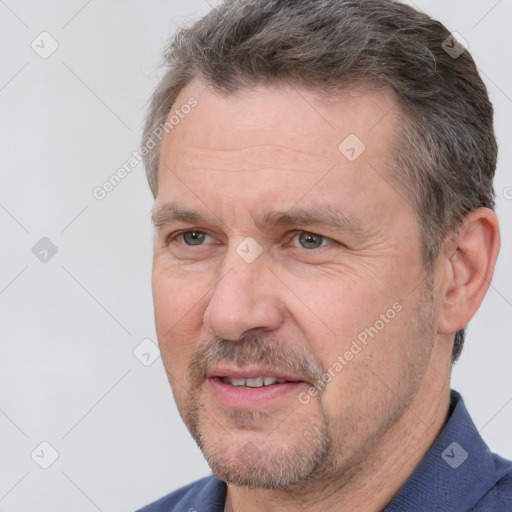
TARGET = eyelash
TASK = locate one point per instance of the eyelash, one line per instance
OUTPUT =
(176, 236)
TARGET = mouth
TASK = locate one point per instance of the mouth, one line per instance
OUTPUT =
(253, 382)
(251, 388)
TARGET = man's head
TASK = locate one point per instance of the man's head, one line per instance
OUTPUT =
(320, 199)
(445, 149)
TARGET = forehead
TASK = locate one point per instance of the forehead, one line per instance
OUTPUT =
(309, 122)
(268, 145)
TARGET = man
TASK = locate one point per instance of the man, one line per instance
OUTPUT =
(322, 173)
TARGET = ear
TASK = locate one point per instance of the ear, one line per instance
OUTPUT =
(468, 260)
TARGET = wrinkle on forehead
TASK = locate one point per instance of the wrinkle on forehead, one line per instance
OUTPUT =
(252, 158)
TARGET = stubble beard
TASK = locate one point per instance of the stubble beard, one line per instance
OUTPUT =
(315, 462)
(241, 462)
(234, 457)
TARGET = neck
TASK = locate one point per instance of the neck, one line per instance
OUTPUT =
(374, 482)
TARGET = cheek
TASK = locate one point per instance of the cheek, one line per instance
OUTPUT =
(352, 328)
(178, 317)
(332, 310)
(176, 293)
(383, 361)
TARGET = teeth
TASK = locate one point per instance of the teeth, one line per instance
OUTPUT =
(256, 382)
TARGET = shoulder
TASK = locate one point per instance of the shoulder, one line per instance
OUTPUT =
(209, 490)
(499, 497)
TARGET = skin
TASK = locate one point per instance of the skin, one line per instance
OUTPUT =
(354, 444)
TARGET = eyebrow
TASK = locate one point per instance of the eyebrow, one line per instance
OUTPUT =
(329, 216)
(326, 216)
(168, 213)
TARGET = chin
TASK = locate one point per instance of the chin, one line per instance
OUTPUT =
(258, 461)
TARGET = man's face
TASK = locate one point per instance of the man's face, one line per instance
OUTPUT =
(292, 307)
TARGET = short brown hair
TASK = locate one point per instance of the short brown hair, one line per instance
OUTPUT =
(445, 154)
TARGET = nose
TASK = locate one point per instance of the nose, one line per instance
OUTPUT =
(243, 300)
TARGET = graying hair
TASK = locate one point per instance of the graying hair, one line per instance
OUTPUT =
(445, 154)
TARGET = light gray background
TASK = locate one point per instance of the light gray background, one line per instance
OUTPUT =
(68, 375)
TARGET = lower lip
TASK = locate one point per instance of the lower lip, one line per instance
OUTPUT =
(247, 398)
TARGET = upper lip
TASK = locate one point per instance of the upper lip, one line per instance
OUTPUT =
(251, 372)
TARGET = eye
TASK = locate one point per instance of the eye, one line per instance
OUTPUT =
(193, 237)
(309, 240)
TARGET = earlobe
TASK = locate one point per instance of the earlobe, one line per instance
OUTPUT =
(469, 259)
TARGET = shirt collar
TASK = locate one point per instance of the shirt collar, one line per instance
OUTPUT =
(453, 476)
(455, 473)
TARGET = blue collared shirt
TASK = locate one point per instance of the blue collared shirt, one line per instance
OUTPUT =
(458, 474)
